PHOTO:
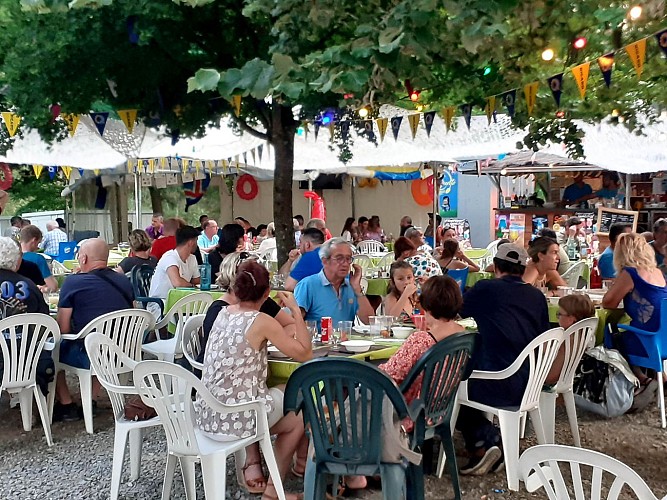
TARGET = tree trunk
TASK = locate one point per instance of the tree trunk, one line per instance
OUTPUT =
(282, 137)
(156, 201)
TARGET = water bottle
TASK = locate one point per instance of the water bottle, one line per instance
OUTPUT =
(205, 274)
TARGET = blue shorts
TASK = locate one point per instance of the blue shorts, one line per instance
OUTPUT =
(73, 353)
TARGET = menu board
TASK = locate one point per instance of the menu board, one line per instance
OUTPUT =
(609, 216)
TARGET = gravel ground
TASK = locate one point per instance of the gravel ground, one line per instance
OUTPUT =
(29, 469)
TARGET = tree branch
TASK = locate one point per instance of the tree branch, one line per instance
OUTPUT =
(247, 128)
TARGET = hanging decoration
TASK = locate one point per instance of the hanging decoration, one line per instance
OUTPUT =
(448, 113)
(52, 172)
(72, 121)
(382, 127)
(530, 91)
(661, 37)
(509, 100)
(422, 191)
(129, 117)
(581, 77)
(637, 53)
(606, 65)
(319, 210)
(428, 122)
(368, 128)
(414, 123)
(368, 182)
(556, 85)
(67, 171)
(466, 111)
(6, 177)
(246, 187)
(100, 121)
(396, 125)
(37, 169)
(236, 105)
(12, 121)
(490, 108)
(195, 190)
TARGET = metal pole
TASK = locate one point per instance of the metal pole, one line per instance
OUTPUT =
(310, 201)
(352, 200)
(436, 188)
(628, 191)
(137, 201)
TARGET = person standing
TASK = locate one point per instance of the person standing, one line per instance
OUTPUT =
(577, 192)
(53, 238)
(154, 231)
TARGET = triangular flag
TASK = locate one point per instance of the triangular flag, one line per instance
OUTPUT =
(236, 104)
(368, 128)
(38, 170)
(12, 121)
(382, 127)
(414, 124)
(606, 64)
(224, 166)
(317, 129)
(530, 91)
(151, 165)
(581, 77)
(81, 172)
(236, 162)
(71, 120)
(331, 130)
(449, 113)
(260, 148)
(661, 36)
(556, 85)
(466, 110)
(129, 164)
(254, 156)
(509, 101)
(100, 121)
(637, 53)
(396, 125)
(245, 157)
(67, 171)
(129, 116)
(97, 172)
(428, 122)
(52, 172)
(344, 129)
(490, 108)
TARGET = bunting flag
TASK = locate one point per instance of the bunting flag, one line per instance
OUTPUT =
(414, 123)
(637, 53)
(382, 127)
(224, 167)
(100, 121)
(195, 190)
(317, 130)
(661, 36)
(67, 171)
(260, 148)
(236, 163)
(606, 64)
(52, 172)
(129, 117)
(344, 130)
(129, 166)
(331, 131)
(509, 101)
(530, 91)
(449, 113)
(556, 85)
(396, 125)
(151, 165)
(581, 77)
(254, 156)
(96, 171)
(72, 121)
(490, 108)
(81, 172)
(38, 170)
(236, 105)
(428, 122)
(368, 128)
(466, 111)
(245, 158)
(12, 121)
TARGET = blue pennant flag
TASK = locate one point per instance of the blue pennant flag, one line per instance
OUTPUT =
(52, 172)
(100, 121)
(396, 125)
(345, 129)
(606, 64)
(80, 172)
(428, 121)
(556, 85)
(466, 111)
(661, 36)
(509, 101)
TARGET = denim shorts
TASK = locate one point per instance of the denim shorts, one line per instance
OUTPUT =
(73, 353)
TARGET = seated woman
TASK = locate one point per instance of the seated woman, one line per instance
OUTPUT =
(542, 269)
(451, 257)
(641, 286)
(402, 299)
(423, 265)
(140, 246)
(231, 240)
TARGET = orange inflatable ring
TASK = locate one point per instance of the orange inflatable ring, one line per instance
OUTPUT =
(6, 177)
(422, 191)
(246, 187)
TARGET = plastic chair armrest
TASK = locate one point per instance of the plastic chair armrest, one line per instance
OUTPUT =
(416, 409)
(72, 336)
(217, 406)
(637, 330)
(499, 375)
(146, 300)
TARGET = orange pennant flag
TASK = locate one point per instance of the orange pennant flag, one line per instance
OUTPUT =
(414, 123)
(637, 53)
(530, 91)
(382, 127)
(581, 77)
(236, 104)
(12, 122)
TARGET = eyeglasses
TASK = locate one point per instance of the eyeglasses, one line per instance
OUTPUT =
(340, 259)
(243, 256)
(562, 315)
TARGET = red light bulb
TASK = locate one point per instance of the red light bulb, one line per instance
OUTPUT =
(580, 43)
(414, 96)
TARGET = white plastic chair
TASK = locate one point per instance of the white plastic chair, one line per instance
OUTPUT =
(363, 261)
(186, 442)
(370, 246)
(107, 361)
(385, 262)
(574, 273)
(539, 468)
(126, 328)
(577, 339)
(184, 308)
(23, 337)
(540, 355)
(191, 340)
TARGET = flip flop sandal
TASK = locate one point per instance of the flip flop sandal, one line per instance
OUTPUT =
(253, 488)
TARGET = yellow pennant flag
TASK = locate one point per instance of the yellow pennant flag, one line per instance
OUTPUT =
(184, 165)
(331, 131)
(129, 116)
(382, 127)
(151, 165)
(449, 116)
(581, 77)
(129, 166)
(38, 170)
(72, 121)
(236, 163)
(530, 91)
(490, 108)
(236, 104)
(97, 172)
(414, 123)
(12, 122)
(67, 171)
(224, 166)
(637, 53)
(163, 163)
(197, 166)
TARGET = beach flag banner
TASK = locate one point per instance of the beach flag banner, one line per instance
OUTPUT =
(581, 77)
(12, 122)
(490, 108)
(428, 122)
(449, 113)
(661, 37)
(129, 117)
(466, 111)
(414, 124)
(556, 85)
(637, 53)
(509, 101)
(72, 121)
(530, 91)
(38, 170)
(100, 121)
(396, 125)
(382, 127)
(606, 64)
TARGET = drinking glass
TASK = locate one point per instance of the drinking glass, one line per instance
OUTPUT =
(345, 329)
(311, 326)
(335, 339)
(375, 323)
(420, 322)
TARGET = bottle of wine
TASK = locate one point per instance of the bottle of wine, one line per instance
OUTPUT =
(205, 273)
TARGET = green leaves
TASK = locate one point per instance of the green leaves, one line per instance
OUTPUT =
(204, 79)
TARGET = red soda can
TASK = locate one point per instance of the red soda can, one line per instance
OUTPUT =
(327, 326)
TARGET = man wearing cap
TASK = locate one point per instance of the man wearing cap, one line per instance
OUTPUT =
(509, 314)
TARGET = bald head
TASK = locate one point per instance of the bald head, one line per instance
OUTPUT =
(93, 254)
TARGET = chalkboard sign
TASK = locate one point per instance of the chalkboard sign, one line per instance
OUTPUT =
(609, 216)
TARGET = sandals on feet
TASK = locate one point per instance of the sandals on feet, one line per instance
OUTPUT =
(256, 484)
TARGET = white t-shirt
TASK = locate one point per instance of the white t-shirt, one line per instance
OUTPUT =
(161, 284)
(266, 245)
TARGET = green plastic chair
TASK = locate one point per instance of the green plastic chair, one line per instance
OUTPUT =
(345, 444)
(441, 369)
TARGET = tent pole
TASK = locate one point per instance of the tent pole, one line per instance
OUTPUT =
(436, 194)
(137, 201)
(628, 191)
(352, 201)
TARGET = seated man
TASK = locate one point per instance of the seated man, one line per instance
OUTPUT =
(53, 238)
(606, 260)
(309, 261)
(208, 239)
(509, 315)
(95, 290)
(30, 238)
(334, 291)
(176, 268)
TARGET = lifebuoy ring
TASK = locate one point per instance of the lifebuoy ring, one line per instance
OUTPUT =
(422, 191)
(6, 177)
(246, 187)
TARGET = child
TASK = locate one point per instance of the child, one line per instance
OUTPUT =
(402, 300)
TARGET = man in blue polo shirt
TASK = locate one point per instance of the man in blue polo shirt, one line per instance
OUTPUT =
(309, 263)
(30, 237)
(578, 191)
(333, 291)
(606, 260)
